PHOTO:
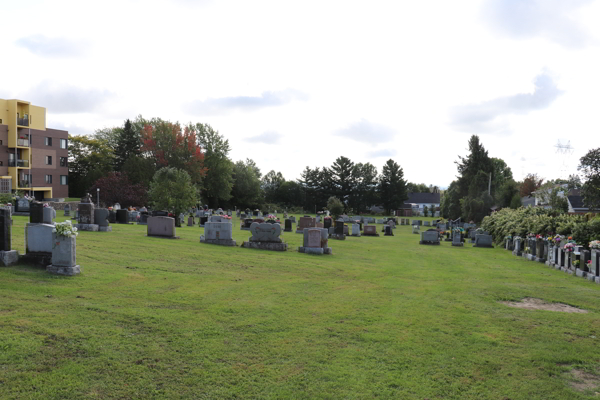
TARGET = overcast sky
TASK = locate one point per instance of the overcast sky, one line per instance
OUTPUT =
(296, 84)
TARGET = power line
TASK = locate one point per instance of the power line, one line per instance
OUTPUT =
(564, 151)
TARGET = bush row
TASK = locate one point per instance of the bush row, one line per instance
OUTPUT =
(539, 221)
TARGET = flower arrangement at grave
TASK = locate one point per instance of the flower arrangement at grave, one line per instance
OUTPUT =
(527, 249)
(46, 205)
(557, 239)
(65, 229)
(576, 263)
(569, 248)
(517, 237)
(588, 265)
(479, 231)
(595, 244)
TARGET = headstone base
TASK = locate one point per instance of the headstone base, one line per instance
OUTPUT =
(540, 260)
(37, 258)
(591, 277)
(272, 246)
(287, 230)
(597, 279)
(300, 230)
(457, 244)
(59, 270)
(242, 228)
(580, 273)
(220, 242)
(337, 236)
(105, 229)
(445, 240)
(164, 237)
(356, 235)
(370, 234)
(428, 242)
(9, 257)
(87, 227)
(126, 223)
(570, 272)
(142, 223)
(556, 266)
(491, 246)
(314, 250)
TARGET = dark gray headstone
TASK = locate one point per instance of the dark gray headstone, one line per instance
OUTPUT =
(5, 231)
(122, 216)
(36, 213)
(288, 225)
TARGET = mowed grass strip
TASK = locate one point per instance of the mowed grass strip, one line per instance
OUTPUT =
(381, 317)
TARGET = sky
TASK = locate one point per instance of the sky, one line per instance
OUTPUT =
(297, 84)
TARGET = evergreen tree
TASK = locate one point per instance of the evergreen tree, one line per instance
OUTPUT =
(343, 178)
(589, 165)
(392, 186)
(128, 145)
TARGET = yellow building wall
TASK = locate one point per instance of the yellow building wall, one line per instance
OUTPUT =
(37, 118)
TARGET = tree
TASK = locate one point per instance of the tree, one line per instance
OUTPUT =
(168, 146)
(172, 189)
(450, 203)
(364, 194)
(425, 210)
(117, 188)
(530, 184)
(417, 188)
(516, 201)
(343, 178)
(270, 185)
(589, 165)
(128, 145)
(505, 193)
(392, 187)
(219, 178)
(89, 160)
(290, 194)
(574, 182)
(139, 170)
(246, 191)
(335, 206)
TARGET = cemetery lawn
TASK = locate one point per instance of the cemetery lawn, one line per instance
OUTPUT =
(382, 317)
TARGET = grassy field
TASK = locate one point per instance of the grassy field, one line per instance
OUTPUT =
(383, 317)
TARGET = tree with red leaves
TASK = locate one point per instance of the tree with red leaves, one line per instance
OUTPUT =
(169, 146)
(117, 188)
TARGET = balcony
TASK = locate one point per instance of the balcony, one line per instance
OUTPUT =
(23, 121)
(23, 142)
(24, 184)
(18, 163)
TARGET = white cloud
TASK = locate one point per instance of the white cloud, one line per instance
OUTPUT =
(550, 19)
(486, 117)
(268, 137)
(367, 132)
(67, 99)
(226, 105)
(59, 47)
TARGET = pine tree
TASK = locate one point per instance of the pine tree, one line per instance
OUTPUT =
(128, 144)
(392, 186)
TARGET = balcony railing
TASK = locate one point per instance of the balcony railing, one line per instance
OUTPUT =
(18, 163)
(23, 142)
(23, 121)
(24, 184)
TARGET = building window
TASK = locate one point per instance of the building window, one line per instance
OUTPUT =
(0, 140)
(63, 161)
(48, 160)
(48, 178)
(64, 179)
(63, 143)
(48, 141)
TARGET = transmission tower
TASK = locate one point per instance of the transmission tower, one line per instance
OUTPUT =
(564, 151)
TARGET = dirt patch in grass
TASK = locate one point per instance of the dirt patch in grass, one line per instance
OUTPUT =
(531, 303)
(582, 381)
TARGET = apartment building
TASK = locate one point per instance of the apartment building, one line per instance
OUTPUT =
(33, 158)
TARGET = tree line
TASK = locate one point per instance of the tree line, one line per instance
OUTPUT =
(124, 161)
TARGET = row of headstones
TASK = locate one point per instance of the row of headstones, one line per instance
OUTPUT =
(433, 237)
(544, 251)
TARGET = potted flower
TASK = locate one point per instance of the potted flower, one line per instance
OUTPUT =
(64, 244)
(576, 263)
(595, 245)
(569, 247)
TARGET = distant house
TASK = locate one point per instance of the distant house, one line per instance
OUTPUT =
(541, 196)
(576, 205)
(528, 201)
(418, 201)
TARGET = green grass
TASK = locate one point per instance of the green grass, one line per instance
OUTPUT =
(382, 317)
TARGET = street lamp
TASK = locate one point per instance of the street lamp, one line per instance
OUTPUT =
(98, 196)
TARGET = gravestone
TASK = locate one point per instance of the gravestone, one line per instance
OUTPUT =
(64, 256)
(123, 216)
(426, 223)
(456, 239)
(539, 252)
(49, 215)
(315, 241)
(67, 210)
(265, 236)
(430, 236)
(327, 223)
(338, 232)
(86, 210)
(23, 205)
(203, 220)
(38, 242)
(356, 230)
(517, 246)
(219, 233)
(8, 256)
(483, 241)
(293, 219)
(416, 229)
(288, 225)
(305, 222)
(143, 218)
(370, 230)
(389, 231)
(36, 213)
(163, 227)
(101, 218)
(190, 220)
